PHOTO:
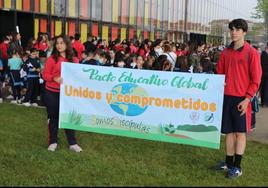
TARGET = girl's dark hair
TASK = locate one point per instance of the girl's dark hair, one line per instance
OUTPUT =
(239, 24)
(182, 64)
(69, 50)
(159, 62)
(30, 43)
(167, 48)
(119, 57)
(206, 64)
(14, 36)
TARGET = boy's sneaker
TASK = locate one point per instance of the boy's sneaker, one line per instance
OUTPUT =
(19, 101)
(1, 100)
(34, 104)
(52, 147)
(27, 104)
(13, 102)
(234, 172)
(75, 148)
(9, 97)
(22, 98)
(222, 166)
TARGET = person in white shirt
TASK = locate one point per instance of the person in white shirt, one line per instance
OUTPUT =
(171, 56)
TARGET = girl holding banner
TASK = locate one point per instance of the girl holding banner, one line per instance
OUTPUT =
(62, 52)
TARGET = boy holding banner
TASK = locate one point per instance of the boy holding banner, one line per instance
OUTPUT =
(241, 65)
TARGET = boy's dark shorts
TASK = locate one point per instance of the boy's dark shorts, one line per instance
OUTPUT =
(232, 122)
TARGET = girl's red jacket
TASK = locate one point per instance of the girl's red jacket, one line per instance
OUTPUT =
(52, 69)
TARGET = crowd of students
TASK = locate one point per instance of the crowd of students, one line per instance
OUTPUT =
(22, 68)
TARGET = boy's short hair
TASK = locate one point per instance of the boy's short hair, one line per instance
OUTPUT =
(32, 50)
(42, 54)
(85, 52)
(77, 36)
(25, 54)
(105, 55)
(239, 24)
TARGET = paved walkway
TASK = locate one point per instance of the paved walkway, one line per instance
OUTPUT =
(260, 134)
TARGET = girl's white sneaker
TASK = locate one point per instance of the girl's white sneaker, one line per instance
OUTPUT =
(52, 147)
(75, 148)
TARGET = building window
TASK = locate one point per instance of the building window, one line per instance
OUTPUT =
(96, 9)
(106, 10)
(124, 11)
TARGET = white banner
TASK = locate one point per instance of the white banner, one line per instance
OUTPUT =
(165, 106)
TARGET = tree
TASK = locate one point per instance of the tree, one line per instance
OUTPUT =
(262, 12)
(257, 33)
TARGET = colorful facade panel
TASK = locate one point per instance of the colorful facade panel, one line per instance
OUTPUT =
(109, 18)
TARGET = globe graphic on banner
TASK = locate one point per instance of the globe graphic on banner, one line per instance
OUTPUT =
(127, 90)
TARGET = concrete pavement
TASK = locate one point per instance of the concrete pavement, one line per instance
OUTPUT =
(260, 134)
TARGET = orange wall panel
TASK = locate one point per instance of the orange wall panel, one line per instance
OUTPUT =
(43, 25)
(52, 33)
(95, 30)
(36, 5)
(131, 33)
(145, 34)
(114, 33)
(26, 5)
(83, 10)
(71, 28)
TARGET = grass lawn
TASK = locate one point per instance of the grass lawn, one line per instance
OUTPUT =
(110, 160)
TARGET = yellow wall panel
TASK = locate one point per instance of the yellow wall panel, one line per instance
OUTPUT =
(139, 34)
(43, 6)
(52, 7)
(132, 12)
(7, 3)
(105, 32)
(58, 28)
(36, 27)
(19, 4)
(152, 36)
(83, 32)
(123, 33)
(115, 11)
(72, 8)
(146, 13)
(66, 28)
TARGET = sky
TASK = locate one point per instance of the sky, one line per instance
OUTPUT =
(248, 8)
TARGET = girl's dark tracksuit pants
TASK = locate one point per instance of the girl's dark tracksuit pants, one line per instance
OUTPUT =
(52, 104)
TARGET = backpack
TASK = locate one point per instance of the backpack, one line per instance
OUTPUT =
(254, 99)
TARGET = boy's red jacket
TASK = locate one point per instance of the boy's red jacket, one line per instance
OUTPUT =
(52, 69)
(79, 47)
(4, 49)
(242, 70)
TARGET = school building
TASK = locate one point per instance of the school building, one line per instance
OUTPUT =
(177, 20)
